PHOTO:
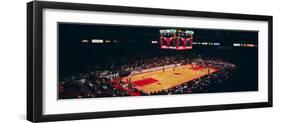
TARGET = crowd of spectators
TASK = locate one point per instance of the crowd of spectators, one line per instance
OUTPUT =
(207, 83)
(105, 80)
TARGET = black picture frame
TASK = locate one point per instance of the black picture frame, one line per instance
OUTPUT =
(34, 60)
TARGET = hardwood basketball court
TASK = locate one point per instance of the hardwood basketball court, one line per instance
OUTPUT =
(158, 80)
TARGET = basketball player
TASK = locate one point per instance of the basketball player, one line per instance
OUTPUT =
(175, 66)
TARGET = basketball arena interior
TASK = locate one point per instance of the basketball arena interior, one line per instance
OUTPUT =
(116, 61)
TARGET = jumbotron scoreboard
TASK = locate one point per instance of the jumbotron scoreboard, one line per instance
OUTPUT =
(177, 39)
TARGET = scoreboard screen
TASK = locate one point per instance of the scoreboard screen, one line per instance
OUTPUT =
(177, 39)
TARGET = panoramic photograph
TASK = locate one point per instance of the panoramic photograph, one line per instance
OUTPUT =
(105, 60)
